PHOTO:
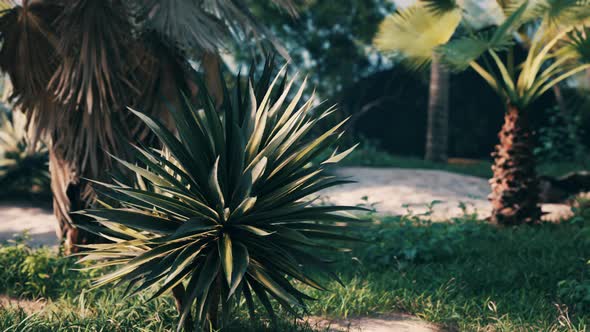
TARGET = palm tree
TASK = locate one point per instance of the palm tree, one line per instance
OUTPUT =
(394, 36)
(76, 65)
(557, 48)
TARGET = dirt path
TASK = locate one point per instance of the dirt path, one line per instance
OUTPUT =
(388, 323)
(16, 218)
(395, 191)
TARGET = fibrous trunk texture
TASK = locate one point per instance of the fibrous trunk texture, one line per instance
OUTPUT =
(515, 190)
(437, 135)
(68, 196)
(211, 69)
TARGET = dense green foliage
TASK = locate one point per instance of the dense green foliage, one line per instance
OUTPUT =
(561, 138)
(329, 40)
(459, 274)
(36, 273)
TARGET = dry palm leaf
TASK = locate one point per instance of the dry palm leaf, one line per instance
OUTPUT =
(28, 50)
(94, 42)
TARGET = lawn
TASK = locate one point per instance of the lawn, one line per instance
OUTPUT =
(463, 275)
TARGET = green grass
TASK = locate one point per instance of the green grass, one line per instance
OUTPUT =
(371, 156)
(464, 275)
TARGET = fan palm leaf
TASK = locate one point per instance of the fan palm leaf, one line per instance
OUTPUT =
(28, 50)
(416, 32)
(203, 25)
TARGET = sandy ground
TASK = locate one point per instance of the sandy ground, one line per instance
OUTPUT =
(27, 305)
(391, 191)
(389, 323)
(38, 222)
(396, 191)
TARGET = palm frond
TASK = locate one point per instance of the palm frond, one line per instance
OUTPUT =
(578, 42)
(184, 24)
(561, 11)
(28, 51)
(95, 39)
(226, 210)
(440, 7)
(203, 25)
(415, 33)
(459, 53)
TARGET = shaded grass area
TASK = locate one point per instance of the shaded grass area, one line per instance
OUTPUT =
(467, 276)
(370, 156)
(464, 275)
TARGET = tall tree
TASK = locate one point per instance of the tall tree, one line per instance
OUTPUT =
(558, 45)
(425, 24)
(76, 65)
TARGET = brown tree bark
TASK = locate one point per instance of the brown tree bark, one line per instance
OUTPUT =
(515, 189)
(437, 135)
(212, 71)
(68, 196)
(178, 293)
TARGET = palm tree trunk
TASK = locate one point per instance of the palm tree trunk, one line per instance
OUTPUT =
(515, 191)
(437, 135)
(68, 196)
(212, 72)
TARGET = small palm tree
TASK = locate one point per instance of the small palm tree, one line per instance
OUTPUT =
(557, 47)
(224, 211)
(76, 65)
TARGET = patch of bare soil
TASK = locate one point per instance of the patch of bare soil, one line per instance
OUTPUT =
(27, 306)
(386, 323)
(396, 191)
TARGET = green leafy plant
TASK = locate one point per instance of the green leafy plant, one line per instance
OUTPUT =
(37, 273)
(561, 139)
(23, 164)
(224, 212)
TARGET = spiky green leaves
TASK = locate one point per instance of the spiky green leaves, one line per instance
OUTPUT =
(224, 210)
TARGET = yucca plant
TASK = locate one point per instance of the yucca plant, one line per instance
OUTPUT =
(557, 44)
(23, 164)
(226, 211)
